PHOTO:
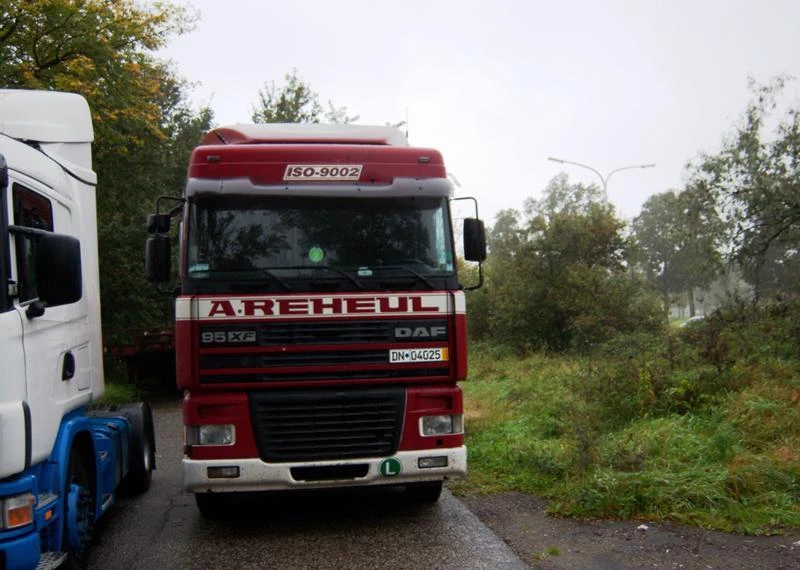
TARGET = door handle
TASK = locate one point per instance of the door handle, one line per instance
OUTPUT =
(68, 366)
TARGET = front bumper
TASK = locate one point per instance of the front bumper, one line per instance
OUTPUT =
(256, 475)
(22, 552)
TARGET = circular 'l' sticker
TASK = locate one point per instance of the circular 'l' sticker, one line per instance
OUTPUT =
(391, 467)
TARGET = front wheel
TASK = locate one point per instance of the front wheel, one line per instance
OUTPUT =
(424, 492)
(76, 537)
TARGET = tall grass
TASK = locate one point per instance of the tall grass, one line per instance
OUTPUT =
(698, 426)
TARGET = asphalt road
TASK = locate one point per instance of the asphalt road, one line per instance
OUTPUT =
(369, 528)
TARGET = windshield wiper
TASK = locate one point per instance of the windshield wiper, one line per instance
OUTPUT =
(407, 269)
(269, 273)
(342, 272)
(255, 272)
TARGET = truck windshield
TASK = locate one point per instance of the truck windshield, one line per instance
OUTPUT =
(278, 238)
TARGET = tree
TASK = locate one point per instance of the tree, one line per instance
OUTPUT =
(129, 185)
(561, 197)
(757, 176)
(595, 240)
(579, 285)
(144, 130)
(680, 236)
(295, 102)
(562, 277)
(505, 236)
(98, 49)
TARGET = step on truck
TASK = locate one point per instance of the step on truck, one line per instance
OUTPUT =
(320, 326)
(62, 458)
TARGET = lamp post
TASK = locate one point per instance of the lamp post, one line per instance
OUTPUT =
(603, 179)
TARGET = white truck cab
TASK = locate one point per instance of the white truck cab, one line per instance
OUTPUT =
(50, 303)
(61, 461)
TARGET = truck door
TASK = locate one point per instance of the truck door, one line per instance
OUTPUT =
(13, 423)
(55, 338)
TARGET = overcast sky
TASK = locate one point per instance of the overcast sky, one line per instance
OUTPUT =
(501, 85)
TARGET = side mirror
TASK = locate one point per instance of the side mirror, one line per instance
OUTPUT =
(58, 269)
(474, 240)
(157, 258)
(158, 223)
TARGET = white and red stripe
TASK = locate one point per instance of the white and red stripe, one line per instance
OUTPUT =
(219, 308)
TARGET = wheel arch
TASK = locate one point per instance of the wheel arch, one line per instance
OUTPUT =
(75, 432)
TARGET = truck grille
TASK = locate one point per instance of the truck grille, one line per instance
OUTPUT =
(274, 359)
(318, 333)
(317, 425)
(392, 374)
(315, 333)
(299, 351)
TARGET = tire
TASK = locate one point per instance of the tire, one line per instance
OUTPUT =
(142, 444)
(142, 449)
(76, 537)
(212, 505)
(424, 492)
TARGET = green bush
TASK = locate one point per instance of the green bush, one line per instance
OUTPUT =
(699, 426)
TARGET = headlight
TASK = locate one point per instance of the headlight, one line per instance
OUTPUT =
(441, 425)
(17, 511)
(223, 434)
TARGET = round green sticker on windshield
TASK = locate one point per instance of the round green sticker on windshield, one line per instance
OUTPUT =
(316, 254)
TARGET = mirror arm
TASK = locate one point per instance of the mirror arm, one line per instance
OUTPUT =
(181, 201)
(471, 198)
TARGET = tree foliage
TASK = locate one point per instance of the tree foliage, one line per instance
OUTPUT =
(680, 237)
(564, 273)
(561, 197)
(506, 236)
(560, 277)
(295, 102)
(99, 49)
(757, 176)
(144, 129)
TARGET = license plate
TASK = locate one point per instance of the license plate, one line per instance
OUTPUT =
(412, 355)
(322, 172)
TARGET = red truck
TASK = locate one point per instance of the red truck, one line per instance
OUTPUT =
(320, 326)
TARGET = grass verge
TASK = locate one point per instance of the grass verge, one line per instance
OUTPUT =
(693, 427)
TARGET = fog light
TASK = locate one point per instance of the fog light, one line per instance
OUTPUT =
(441, 425)
(431, 462)
(223, 434)
(17, 511)
(227, 472)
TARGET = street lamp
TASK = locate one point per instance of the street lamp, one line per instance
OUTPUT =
(603, 179)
